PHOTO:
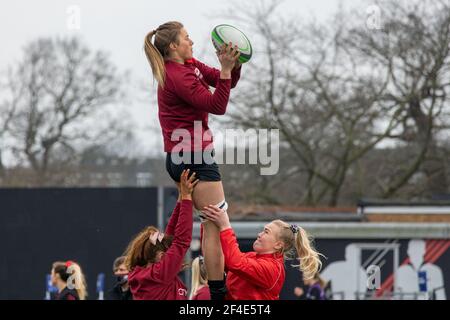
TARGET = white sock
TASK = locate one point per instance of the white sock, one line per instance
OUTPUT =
(222, 205)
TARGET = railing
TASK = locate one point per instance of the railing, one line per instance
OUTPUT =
(397, 295)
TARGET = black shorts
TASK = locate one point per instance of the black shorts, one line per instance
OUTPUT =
(204, 171)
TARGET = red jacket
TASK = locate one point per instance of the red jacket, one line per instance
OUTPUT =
(251, 276)
(186, 98)
(160, 281)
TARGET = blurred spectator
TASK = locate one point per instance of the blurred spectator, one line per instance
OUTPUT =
(314, 289)
(121, 290)
(69, 279)
(199, 284)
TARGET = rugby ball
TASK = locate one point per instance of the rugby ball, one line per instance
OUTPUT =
(224, 34)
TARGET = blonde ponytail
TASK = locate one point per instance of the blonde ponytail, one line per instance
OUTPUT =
(155, 59)
(308, 257)
(156, 53)
(296, 237)
(199, 276)
(78, 280)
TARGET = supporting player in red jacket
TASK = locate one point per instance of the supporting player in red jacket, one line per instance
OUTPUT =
(260, 274)
(155, 259)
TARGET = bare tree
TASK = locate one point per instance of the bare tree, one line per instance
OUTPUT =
(413, 47)
(339, 91)
(309, 86)
(60, 98)
(8, 111)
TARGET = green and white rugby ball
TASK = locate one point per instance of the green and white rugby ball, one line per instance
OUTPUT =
(224, 34)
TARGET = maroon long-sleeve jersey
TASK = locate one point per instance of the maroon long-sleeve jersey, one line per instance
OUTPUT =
(160, 281)
(186, 98)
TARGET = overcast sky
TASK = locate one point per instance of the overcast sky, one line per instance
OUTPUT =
(119, 27)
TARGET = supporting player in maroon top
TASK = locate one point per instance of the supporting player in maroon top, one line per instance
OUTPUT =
(155, 259)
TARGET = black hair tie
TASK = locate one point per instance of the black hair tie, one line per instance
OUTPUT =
(294, 228)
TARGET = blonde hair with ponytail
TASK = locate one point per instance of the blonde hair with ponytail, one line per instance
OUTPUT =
(158, 51)
(79, 280)
(70, 272)
(199, 276)
(296, 237)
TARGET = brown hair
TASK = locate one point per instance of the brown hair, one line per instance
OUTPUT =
(71, 269)
(156, 53)
(320, 280)
(141, 251)
(296, 237)
(118, 262)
